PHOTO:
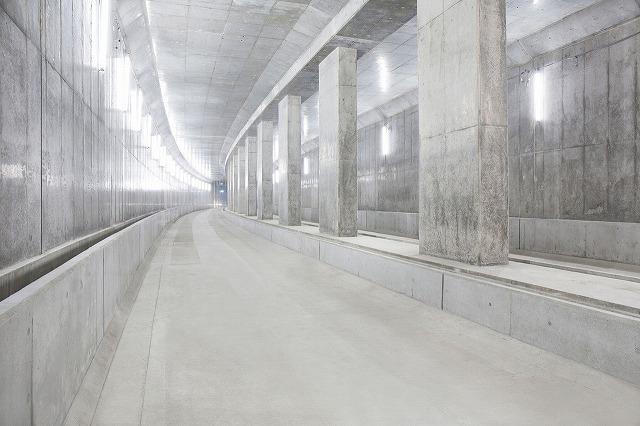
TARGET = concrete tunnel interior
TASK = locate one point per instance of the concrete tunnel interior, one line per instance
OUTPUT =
(319, 212)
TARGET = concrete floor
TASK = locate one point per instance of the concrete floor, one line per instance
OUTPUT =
(229, 328)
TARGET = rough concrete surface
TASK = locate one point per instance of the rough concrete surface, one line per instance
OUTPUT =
(289, 203)
(338, 145)
(463, 134)
(265, 170)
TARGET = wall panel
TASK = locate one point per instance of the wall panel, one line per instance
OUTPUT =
(70, 162)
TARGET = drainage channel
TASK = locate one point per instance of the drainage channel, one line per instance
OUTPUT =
(20, 275)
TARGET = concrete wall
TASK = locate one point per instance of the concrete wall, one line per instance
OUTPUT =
(50, 330)
(69, 162)
(579, 165)
(573, 177)
(309, 182)
(387, 184)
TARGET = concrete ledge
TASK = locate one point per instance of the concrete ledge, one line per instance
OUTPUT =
(611, 241)
(50, 330)
(602, 339)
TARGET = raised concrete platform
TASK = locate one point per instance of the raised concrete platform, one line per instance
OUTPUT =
(584, 316)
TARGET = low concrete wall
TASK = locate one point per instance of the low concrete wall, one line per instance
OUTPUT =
(393, 223)
(601, 339)
(310, 214)
(612, 241)
(50, 330)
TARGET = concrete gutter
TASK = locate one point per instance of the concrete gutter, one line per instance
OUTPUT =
(18, 276)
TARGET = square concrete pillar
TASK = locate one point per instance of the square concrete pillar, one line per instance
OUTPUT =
(242, 187)
(251, 156)
(463, 131)
(289, 155)
(264, 183)
(236, 203)
(338, 145)
(229, 174)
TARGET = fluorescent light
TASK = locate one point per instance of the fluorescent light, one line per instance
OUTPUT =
(275, 147)
(138, 105)
(538, 95)
(385, 140)
(146, 131)
(162, 157)
(123, 74)
(305, 165)
(305, 126)
(384, 75)
(155, 147)
(105, 34)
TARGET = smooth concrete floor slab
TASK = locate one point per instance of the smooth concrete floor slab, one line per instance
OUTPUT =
(229, 328)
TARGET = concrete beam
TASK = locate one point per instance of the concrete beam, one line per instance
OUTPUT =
(289, 154)
(338, 145)
(265, 170)
(463, 131)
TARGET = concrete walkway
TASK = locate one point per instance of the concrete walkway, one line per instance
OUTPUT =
(229, 328)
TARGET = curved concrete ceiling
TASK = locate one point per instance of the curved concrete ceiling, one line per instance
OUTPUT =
(133, 24)
(223, 64)
(215, 59)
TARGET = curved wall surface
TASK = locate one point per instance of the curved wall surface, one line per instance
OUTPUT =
(50, 330)
(73, 156)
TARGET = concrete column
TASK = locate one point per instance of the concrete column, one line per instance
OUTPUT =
(242, 179)
(236, 204)
(338, 160)
(236, 186)
(289, 160)
(251, 155)
(265, 170)
(463, 131)
(229, 184)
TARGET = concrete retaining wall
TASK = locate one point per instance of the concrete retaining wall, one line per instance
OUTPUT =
(612, 241)
(573, 175)
(50, 330)
(393, 223)
(600, 339)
